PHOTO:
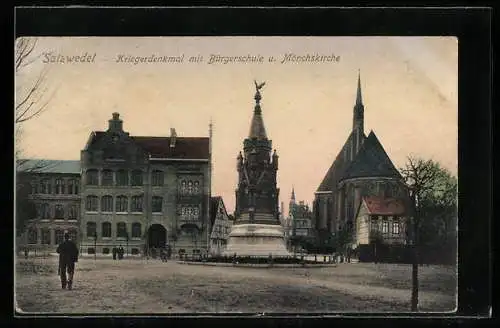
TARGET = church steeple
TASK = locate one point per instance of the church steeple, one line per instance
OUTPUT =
(257, 129)
(359, 99)
(358, 120)
(293, 195)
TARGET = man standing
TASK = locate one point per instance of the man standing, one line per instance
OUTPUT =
(68, 255)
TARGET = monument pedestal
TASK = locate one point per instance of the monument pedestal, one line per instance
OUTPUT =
(256, 240)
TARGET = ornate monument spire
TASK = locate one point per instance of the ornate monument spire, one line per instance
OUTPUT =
(257, 129)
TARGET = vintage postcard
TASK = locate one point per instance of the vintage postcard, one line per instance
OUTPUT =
(170, 175)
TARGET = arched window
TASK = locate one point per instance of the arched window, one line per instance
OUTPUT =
(385, 226)
(106, 230)
(59, 186)
(395, 226)
(91, 204)
(157, 178)
(91, 229)
(72, 213)
(45, 236)
(183, 187)
(136, 178)
(196, 187)
(190, 187)
(59, 212)
(121, 204)
(136, 205)
(107, 203)
(77, 187)
(107, 178)
(32, 236)
(136, 230)
(121, 230)
(122, 178)
(92, 177)
(45, 211)
(59, 236)
(157, 204)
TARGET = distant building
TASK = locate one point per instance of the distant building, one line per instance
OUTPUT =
(362, 168)
(299, 218)
(221, 224)
(382, 220)
(52, 188)
(144, 192)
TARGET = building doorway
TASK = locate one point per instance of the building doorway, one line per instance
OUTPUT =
(157, 236)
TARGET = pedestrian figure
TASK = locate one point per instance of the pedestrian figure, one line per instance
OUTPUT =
(114, 253)
(68, 255)
(120, 252)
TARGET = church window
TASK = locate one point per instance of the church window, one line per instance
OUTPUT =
(106, 229)
(59, 212)
(32, 236)
(92, 177)
(136, 178)
(157, 178)
(136, 204)
(122, 178)
(157, 204)
(91, 229)
(45, 236)
(59, 186)
(91, 204)
(121, 230)
(107, 203)
(107, 178)
(136, 230)
(122, 204)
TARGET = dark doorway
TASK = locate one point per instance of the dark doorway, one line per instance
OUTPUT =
(157, 236)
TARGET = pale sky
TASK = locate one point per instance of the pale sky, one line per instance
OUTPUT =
(409, 87)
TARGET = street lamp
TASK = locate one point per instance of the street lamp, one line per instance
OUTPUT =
(414, 247)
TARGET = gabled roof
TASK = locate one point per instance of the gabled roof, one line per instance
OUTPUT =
(214, 206)
(159, 147)
(384, 206)
(48, 166)
(371, 161)
(335, 172)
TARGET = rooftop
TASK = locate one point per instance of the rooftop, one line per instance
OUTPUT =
(48, 166)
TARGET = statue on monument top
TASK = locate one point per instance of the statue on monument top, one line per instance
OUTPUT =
(257, 89)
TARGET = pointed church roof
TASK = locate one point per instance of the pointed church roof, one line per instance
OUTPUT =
(336, 170)
(359, 99)
(371, 161)
(293, 194)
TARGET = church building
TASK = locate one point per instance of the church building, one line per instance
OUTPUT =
(362, 168)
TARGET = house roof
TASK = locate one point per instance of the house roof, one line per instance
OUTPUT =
(48, 166)
(214, 206)
(159, 147)
(336, 170)
(384, 206)
(371, 161)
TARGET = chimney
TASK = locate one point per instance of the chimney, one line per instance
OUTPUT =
(173, 137)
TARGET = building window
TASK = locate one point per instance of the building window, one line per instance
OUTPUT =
(59, 236)
(136, 178)
(45, 187)
(107, 178)
(105, 250)
(72, 214)
(374, 223)
(190, 187)
(106, 230)
(32, 236)
(59, 186)
(72, 234)
(157, 204)
(91, 250)
(77, 187)
(157, 178)
(34, 188)
(122, 178)
(196, 189)
(136, 230)
(92, 177)
(91, 229)
(135, 251)
(121, 230)
(45, 211)
(190, 213)
(107, 203)
(45, 236)
(91, 204)
(136, 205)
(71, 186)
(122, 204)
(395, 228)
(59, 212)
(385, 226)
